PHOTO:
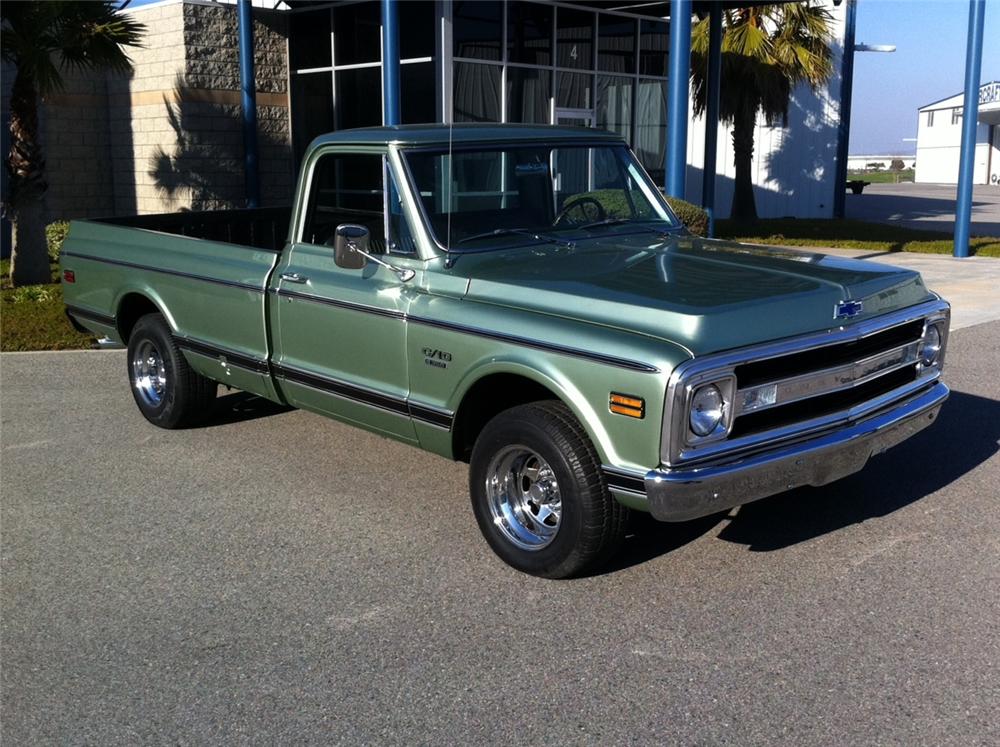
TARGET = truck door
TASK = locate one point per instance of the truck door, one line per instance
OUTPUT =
(340, 334)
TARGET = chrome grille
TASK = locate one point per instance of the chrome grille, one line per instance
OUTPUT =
(792, 388)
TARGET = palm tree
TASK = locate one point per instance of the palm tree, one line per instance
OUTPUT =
(767, 50)
(42, 39)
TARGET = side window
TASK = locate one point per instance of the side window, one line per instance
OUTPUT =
(346, 188)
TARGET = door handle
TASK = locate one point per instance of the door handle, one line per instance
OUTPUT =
(294, 277)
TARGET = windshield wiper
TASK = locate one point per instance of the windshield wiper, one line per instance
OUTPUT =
(516, 232)
(605, 222)
(618, 221)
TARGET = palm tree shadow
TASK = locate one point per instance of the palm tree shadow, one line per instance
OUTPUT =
(965, 435)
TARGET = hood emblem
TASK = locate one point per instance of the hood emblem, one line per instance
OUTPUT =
(847, 309)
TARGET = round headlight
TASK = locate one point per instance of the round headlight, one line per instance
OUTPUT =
(932, 345)
(707, 409)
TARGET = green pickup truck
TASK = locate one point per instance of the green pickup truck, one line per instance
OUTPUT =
(521, 298)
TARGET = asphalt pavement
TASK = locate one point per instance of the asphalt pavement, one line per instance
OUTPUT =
(930, 207)
(279, 578)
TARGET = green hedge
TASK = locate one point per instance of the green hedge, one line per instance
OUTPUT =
(616, 206)
(55, 235)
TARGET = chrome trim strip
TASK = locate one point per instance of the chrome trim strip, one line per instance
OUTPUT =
(673, 448)
(364, 308)
(176, 273)
(829, 380)
(689, 492)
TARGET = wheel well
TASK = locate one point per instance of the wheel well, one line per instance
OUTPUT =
(486, 399)
(130, 310)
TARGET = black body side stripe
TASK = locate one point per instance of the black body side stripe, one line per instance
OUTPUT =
(366, 396)
(94, 316)
(176, 273)
(462, 329)
(623, 481)
(240, 360)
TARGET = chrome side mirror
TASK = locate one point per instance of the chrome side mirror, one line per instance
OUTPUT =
(350, 246)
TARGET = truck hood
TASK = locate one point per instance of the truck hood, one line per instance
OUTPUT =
(704, 294)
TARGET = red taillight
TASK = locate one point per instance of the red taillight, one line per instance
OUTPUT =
(69, 276)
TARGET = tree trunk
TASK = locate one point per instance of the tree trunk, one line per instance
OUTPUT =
(744, 206)
(26, 203)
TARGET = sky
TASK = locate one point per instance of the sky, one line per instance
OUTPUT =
(928, 65)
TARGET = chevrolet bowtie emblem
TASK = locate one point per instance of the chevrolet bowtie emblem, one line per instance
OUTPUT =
(847, 309)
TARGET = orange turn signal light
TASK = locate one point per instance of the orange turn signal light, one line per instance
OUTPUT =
(625, 404)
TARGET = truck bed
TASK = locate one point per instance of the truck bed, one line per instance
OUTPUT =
(260, 228)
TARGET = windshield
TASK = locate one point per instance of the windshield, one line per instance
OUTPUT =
(502, 196)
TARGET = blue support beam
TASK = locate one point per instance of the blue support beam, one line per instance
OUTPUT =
(712, 113)
(678, 87)
(970, 121)
(248, 100)
(844, 128)
(390, 62)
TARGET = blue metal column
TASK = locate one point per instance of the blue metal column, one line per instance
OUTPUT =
(390, 62)
(844, 128)
(678, 87)
(712, 113)
(970, 121)
(248, 100)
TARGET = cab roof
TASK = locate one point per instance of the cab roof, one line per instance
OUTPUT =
(440, 134)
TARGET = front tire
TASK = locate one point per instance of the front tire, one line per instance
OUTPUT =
(167, 391)
(538, 493)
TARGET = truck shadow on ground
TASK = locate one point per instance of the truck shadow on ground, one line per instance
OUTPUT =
(965, 435)
(239, 407)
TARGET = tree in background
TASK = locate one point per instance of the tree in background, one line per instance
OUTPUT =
(43, 39)
(767, 50)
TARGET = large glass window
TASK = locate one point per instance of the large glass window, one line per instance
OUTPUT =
(312, 114)
(529, 33)
(311, 33)
(357, 32)
(651, 126)
(575, 38)
(477, 29)
(653, 44)
(529, 95)
(616, 44)
(417, 97)
(614, 104)
(416, 23)
(359, 97)
(575, 90)
(476, 92)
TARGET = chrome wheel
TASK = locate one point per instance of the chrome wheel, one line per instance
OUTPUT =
(149, 375)
(524, 498)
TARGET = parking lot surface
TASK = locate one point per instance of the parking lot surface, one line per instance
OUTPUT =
(930, 207)
(276, 577)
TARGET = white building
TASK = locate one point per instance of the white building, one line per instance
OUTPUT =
(939, 138)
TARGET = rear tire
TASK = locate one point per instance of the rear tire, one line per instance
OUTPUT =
(167, 391)
(539, 495)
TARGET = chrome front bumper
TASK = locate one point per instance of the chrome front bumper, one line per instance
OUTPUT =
(687, 493)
